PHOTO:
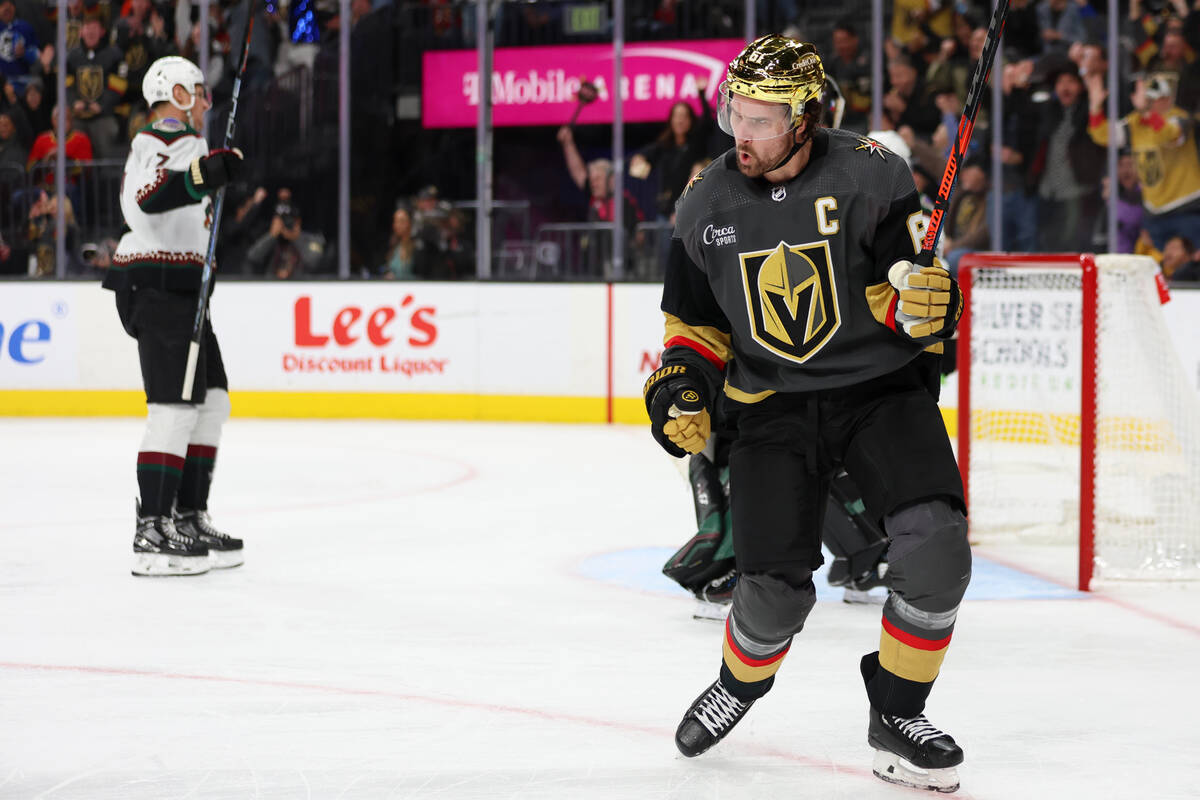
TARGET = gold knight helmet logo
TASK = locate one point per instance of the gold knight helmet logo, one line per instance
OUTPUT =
(791, 297)
(91, 82)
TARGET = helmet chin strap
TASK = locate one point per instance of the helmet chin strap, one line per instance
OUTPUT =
(796, 146)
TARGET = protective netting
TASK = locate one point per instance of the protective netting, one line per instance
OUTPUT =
(1025, 396)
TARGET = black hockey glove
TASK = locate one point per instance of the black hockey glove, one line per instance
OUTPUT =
(219, 167)
(678, 410)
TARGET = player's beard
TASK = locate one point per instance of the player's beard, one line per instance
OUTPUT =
(755, 164)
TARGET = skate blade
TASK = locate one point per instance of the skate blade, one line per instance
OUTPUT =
(225, 559)
(713, 611)
(858, 597)
(157, 564)
(894, 769)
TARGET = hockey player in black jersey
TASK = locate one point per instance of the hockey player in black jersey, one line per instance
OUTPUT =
(169, 178)
(791, 298)
(705, 565)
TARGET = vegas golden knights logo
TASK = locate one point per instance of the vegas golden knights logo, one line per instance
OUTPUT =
(136, 56)
(791, 297)
(1150, 167)
(91, 82)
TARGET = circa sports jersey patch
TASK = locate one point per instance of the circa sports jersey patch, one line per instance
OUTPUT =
(792, 298)
(873, 147)
(719, 236)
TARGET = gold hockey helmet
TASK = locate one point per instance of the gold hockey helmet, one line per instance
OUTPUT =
(777, 69)
(772, 69)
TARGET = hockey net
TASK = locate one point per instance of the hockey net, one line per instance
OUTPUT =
(1081, 427)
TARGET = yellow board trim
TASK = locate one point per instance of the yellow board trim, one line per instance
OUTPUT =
(362, 405)
(321, 405)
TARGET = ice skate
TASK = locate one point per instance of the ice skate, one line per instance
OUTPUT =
(858, 590)
(224, 551)
(713, 715)
(714, 599)
(912, 752)
(160, 549)
(717, 612)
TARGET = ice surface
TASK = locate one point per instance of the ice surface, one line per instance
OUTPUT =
(457, 610)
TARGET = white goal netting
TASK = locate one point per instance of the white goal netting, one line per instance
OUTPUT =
(1027, 408)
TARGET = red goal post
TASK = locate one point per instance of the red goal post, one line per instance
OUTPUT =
(1075, 414)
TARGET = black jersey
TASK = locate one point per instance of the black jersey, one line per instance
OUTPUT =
(95, 76)
(784, 286)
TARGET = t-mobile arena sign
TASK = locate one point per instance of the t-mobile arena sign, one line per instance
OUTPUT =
(537, 85)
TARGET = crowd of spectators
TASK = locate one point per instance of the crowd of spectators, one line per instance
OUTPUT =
(1054, 124)
(109, 47)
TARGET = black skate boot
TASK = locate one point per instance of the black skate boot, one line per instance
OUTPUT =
(713, 715)
(714, 598)
(160, 549)
(224, 551)
(912, 752)
(858, 590)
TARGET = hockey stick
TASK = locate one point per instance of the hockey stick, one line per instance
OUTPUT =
(962, 139)
(206, 275)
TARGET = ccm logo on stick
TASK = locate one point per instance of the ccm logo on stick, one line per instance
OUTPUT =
(350, 323)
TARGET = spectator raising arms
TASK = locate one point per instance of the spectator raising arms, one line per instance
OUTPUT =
(1067, 163)
(1163, 141)
(597, 178)
(94, 87)
(142, 35)
(681, 144)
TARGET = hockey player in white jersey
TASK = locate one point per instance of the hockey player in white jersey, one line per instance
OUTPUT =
(169, 178)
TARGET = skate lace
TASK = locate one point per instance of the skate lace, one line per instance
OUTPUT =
(204, 524)
(166, 527)
(917, 728)
(719, 710)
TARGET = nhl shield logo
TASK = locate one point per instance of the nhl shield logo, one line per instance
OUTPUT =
(791, 297)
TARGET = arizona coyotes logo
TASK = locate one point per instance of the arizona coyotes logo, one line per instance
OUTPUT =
(91, 82)
(791, 297)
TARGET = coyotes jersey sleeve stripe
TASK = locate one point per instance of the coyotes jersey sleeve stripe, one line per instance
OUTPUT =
(168, 190)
